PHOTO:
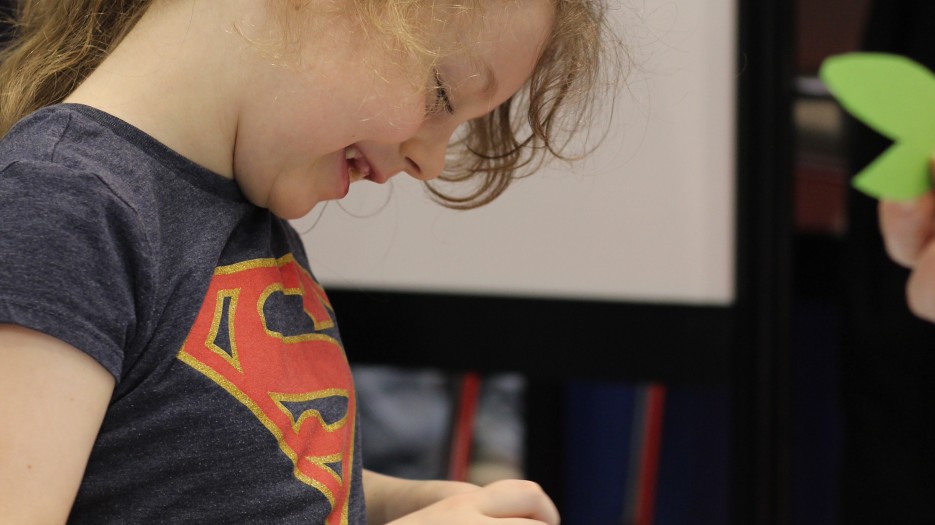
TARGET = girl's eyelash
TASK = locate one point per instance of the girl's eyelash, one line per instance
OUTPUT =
(442, 99)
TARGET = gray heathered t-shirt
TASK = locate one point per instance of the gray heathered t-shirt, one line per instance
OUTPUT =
(234, 401)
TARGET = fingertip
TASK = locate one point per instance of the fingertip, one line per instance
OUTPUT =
(904, 231)
(920, 302)
(542, 506)
(920, 288)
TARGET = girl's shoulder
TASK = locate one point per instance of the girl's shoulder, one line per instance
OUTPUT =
(77, 145)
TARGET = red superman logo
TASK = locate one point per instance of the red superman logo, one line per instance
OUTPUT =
(260, 336)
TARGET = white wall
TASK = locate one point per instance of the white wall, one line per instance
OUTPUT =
(648, 218)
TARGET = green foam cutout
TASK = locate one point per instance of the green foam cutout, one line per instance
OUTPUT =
(896, 97)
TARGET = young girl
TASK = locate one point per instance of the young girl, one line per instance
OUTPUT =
(167, 355)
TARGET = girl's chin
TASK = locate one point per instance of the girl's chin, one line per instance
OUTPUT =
(294, 210)
(295, 200)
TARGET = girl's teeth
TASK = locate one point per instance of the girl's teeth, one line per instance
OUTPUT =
(357, 168)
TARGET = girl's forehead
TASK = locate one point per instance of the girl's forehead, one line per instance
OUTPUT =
(501, 53)
(478, 23)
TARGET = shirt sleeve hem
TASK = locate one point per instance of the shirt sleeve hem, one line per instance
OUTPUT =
(82, 336)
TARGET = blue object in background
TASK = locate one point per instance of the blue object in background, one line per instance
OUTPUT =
(694, 470)
(693, 475)
(598, 438)
(817, 417)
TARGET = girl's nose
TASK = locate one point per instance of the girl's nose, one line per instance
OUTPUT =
(425, 152)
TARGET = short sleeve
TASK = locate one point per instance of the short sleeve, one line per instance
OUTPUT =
(73, 260)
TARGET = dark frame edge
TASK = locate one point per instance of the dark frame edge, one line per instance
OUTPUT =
(760, 373)
(546, 339)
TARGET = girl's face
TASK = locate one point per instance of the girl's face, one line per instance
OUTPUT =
(351, 111)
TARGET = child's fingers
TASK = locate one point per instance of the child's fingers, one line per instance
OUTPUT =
(920, 289)
(489, 520)
(909, 235)
(907, 227)
(511, 502)
(518, 499)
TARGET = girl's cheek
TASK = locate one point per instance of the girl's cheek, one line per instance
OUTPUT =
(403, 116)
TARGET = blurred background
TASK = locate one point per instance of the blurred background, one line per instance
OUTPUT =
(789, 386)
(837, 428)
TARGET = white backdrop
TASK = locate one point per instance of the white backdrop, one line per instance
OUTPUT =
(648, 218)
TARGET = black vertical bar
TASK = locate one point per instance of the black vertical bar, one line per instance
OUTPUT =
(545, 436)
(760, 375)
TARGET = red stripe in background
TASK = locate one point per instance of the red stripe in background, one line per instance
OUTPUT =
(463, 431)
(649, 455)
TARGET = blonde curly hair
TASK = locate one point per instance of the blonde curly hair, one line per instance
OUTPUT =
(57, 43)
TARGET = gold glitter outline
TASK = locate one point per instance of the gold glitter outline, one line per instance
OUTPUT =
(285, 260)
(241, 396)
(323, 325)
(323, 463)
(232, 358)
(278, 398)
(347, 480)
(253, 264)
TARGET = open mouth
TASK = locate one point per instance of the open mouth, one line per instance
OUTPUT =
(357, 166)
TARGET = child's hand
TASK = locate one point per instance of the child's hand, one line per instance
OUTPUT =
(908, 231)
(510, 502)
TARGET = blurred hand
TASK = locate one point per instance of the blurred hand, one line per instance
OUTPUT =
(510, 502)
(908, 229)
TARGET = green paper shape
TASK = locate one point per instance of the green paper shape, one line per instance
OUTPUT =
(895, 96)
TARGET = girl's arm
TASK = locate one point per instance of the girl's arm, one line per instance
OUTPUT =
(52, 402)
(389, 497)
(407, 502)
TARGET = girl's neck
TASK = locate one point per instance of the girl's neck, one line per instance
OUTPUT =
(173, 77)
